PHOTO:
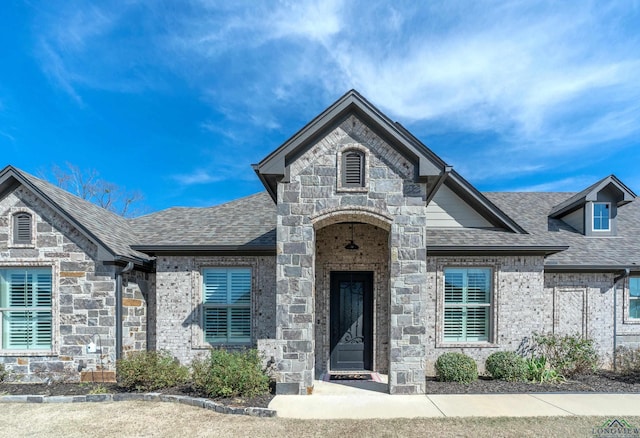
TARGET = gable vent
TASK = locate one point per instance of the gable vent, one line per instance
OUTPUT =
(22, 228)
(354, 169)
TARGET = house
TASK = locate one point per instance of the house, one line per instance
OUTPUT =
(365, 252)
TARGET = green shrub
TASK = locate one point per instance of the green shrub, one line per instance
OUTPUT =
(230, 373)
(456, 367)
(539, 371)
(3, 372)
(628, 360)
(506, 365)
(568, 355)
(150, 370)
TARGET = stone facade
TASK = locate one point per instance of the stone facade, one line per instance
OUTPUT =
(83, 296)
(178, 300)
(313, 199)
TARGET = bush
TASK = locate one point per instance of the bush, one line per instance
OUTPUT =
(229, 374)
(568, 355)
(539, 371)
(150, 370)
(506, 365)
(456, 367)
(627, 360)
(3, 372)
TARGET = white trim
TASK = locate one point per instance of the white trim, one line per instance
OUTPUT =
(593, 217)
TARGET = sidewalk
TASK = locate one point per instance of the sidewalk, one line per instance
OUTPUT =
(340, 400)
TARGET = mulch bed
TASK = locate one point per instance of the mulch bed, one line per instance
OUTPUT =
(603, 381)
(56, 389)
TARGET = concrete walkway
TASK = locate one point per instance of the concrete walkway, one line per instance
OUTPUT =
(367, 400)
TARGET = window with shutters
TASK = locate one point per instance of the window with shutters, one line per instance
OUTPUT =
(353, 174)
(226, 305)
(22, 229)
(467, 304)
(25, 308)
(634, 297)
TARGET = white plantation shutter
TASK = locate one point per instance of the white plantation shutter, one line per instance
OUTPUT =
(25, 305)
(467, 294)
(227, 305)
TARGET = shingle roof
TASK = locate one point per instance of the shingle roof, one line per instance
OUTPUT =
(112, 231)
(249, 222)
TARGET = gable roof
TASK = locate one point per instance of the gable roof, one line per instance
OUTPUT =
(110, 232)
(275, 166)
(590, 194)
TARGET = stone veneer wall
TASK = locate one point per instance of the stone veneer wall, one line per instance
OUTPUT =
(583, 305)
(373, 255)
(521, 305)
(83, 295)
(312, 199)
(178, 300)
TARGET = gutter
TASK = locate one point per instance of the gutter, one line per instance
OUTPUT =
(119, 273)
(622, 276)
(493, 250)
(207, 249)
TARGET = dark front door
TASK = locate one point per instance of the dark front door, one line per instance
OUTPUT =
(351, 316)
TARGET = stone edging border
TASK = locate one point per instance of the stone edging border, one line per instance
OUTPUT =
(149, 396)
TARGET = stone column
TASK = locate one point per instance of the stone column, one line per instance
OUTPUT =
(408, 310)
(294, 293)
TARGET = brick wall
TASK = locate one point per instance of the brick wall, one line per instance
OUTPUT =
(177, 315)
(521, 305)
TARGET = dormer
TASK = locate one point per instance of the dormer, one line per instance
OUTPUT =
(594, 211)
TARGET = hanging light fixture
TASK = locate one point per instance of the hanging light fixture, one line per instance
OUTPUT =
(351, 245)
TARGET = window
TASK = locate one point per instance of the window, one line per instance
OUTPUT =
(634, 297)
(467, 305)
(353, 169)
(25, 307)
(227, 305)
(22, 228)
(601, 216)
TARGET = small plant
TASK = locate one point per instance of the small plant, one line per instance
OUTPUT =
(229, 374)
(150, 370)
(568, 355)
(98, 389)
(506, 365)
(3, 372)
(627, 360)
(539, 371)
(456, 367)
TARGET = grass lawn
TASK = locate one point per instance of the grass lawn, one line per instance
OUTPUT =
(126, 419)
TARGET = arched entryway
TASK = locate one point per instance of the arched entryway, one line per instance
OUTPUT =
(352, 294)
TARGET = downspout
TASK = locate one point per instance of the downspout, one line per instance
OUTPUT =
(622, 276)
(119, 273)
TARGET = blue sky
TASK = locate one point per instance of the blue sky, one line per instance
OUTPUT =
(176, 99)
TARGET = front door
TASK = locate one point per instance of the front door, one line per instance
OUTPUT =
(351, 320)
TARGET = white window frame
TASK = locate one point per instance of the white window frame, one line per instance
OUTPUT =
(228, 306)
(593, 217)
(489, 305)
(4, 350)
